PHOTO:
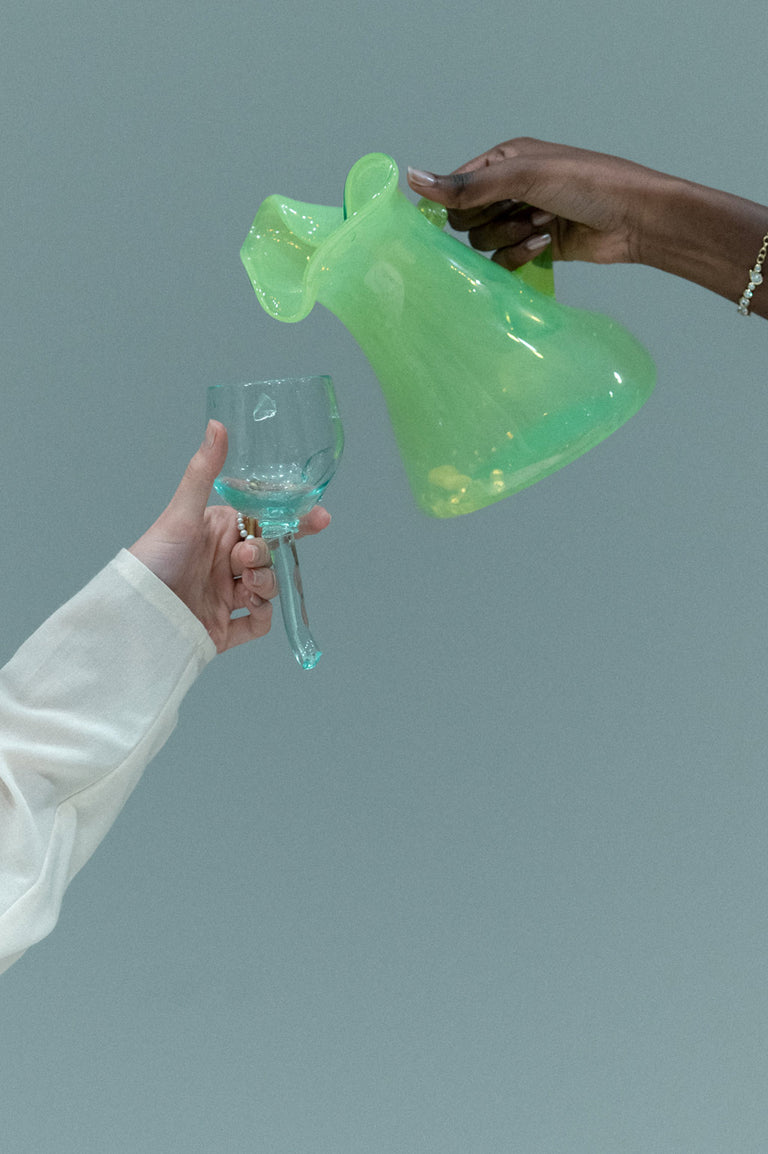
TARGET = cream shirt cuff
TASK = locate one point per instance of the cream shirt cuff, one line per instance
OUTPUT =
(157, 593)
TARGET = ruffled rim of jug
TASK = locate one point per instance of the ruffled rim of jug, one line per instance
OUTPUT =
(371, 181)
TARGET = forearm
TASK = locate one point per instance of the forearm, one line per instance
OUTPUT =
(703, 235)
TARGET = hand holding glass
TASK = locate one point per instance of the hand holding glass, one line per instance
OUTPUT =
(285, 442)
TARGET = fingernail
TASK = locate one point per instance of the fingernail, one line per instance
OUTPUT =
(210, 435)
(420, 177)
(262, 579)
(542, 218)
(536, 242)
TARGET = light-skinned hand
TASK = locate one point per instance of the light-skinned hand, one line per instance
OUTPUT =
(197, 551)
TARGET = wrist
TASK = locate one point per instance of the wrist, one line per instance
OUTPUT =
(703, 235)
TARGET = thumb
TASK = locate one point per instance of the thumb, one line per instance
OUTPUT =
(195, 486)
(465, 189)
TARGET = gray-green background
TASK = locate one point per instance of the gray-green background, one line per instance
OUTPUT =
(492, 879)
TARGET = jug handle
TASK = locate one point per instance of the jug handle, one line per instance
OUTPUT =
(537, 273)
(436, 214)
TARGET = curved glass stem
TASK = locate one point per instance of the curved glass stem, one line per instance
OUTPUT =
(285, 560)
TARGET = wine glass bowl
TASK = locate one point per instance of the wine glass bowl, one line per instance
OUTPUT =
(285, 440)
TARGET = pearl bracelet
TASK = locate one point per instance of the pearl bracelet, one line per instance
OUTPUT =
(248, 527)
(755, 279)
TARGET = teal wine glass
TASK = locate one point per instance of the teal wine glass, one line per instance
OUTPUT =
(285, 442)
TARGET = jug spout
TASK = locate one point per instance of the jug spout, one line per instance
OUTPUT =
(279, 250)
(491, 384)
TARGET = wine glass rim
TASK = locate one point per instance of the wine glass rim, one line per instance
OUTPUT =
(272, 381)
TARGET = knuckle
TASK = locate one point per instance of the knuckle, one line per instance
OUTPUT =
(520, 144)
(460, 187)
(506, 258)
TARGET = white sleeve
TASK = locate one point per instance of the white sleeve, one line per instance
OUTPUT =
(85, 703)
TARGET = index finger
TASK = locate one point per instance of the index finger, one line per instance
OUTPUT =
(467, 218)
(317, 519)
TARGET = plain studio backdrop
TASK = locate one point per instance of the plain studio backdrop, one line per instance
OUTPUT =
(492, 878)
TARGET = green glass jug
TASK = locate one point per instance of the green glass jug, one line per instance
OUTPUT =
(491, 384)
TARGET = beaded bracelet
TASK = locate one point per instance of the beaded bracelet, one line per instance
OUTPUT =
(755, 278)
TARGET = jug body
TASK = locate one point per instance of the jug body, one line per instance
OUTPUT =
(490, 383)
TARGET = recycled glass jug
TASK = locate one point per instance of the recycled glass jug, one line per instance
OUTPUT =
(490, 383)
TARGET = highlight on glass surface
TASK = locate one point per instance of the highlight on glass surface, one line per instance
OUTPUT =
(285, 442)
